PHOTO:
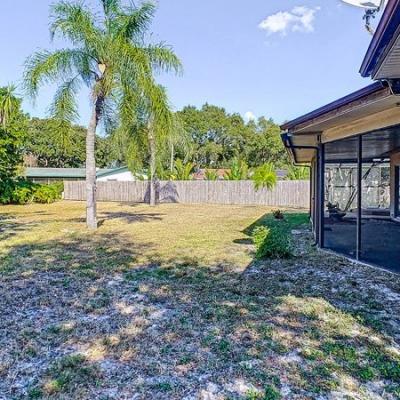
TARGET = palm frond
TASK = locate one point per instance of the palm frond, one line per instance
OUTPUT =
(111, 8)
(75, 22)
(265, 177)
(163, 58)
(45, 67)
(64, 107)
(133, 24)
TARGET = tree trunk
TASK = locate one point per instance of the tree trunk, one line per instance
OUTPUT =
(152, 145)
(171, 166)
(91, 208)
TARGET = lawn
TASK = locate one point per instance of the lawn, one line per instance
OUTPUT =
(169, 303)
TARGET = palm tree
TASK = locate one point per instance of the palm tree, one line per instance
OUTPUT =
(298, 173)
(265, 176)
(109, 54)
(183, 171)
(239, 171)
(8, 104)
(148, 131)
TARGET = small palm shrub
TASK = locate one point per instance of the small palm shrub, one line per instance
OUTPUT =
(183, 171)
(273, 241)
(265, 177)
(211, 175)
(298, 173)
(239, 171)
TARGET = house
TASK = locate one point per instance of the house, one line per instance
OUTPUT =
(121, 174)
(50, 175)
(358, 136)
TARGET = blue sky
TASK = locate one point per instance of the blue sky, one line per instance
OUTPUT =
(276, 58)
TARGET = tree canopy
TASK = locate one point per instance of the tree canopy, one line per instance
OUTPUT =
(57, 144)
(218, 138)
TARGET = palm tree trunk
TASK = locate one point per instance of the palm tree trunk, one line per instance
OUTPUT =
(171, 165)
(152, 145)
(91, 208)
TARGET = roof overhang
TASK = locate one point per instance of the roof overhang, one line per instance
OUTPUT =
(382, 60)
(371, 108)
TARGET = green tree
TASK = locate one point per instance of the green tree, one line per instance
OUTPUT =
(217, 136)
(110, 55)
(60, 144)
(265, 144)
(12, 132)
(148, 133)
(9, 105)
(265, 176)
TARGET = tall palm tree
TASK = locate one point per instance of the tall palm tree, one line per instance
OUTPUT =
(110, 55)
(148, 131)
(8, 104)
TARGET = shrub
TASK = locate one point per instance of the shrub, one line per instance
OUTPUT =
(273, 241)
(22, 191)
(47, 194)
(265, 177)
(278, 214)
(211, 175)
(19, 192)
(22, 195)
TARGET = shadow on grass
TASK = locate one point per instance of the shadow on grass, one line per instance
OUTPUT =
(131, 218)
(10, 226)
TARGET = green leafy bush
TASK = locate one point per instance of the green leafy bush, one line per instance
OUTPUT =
(47, 194)
(22, 191)
(273, 241)
(22, 195)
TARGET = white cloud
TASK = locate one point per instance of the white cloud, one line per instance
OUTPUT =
(299, 19)
(249, 116)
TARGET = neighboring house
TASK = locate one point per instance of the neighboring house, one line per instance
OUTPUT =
(361, 131)
(119, 174)
(50, 175)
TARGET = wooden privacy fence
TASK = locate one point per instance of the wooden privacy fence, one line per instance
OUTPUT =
(285, 194)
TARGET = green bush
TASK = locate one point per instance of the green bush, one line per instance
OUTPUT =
(47, 194)
(22, 195)
(273, 241)
(22, 191)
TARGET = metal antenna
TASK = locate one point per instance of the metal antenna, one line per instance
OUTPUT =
(368, 17)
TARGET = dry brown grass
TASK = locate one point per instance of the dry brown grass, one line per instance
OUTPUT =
(169, 232)
(167, 303)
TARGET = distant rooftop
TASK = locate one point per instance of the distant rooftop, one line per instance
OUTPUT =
(60, 172)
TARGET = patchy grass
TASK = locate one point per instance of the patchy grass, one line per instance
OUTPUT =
(167, 303)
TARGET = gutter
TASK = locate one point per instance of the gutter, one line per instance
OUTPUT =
(290, 147)
(359, 94)
(384, 33)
